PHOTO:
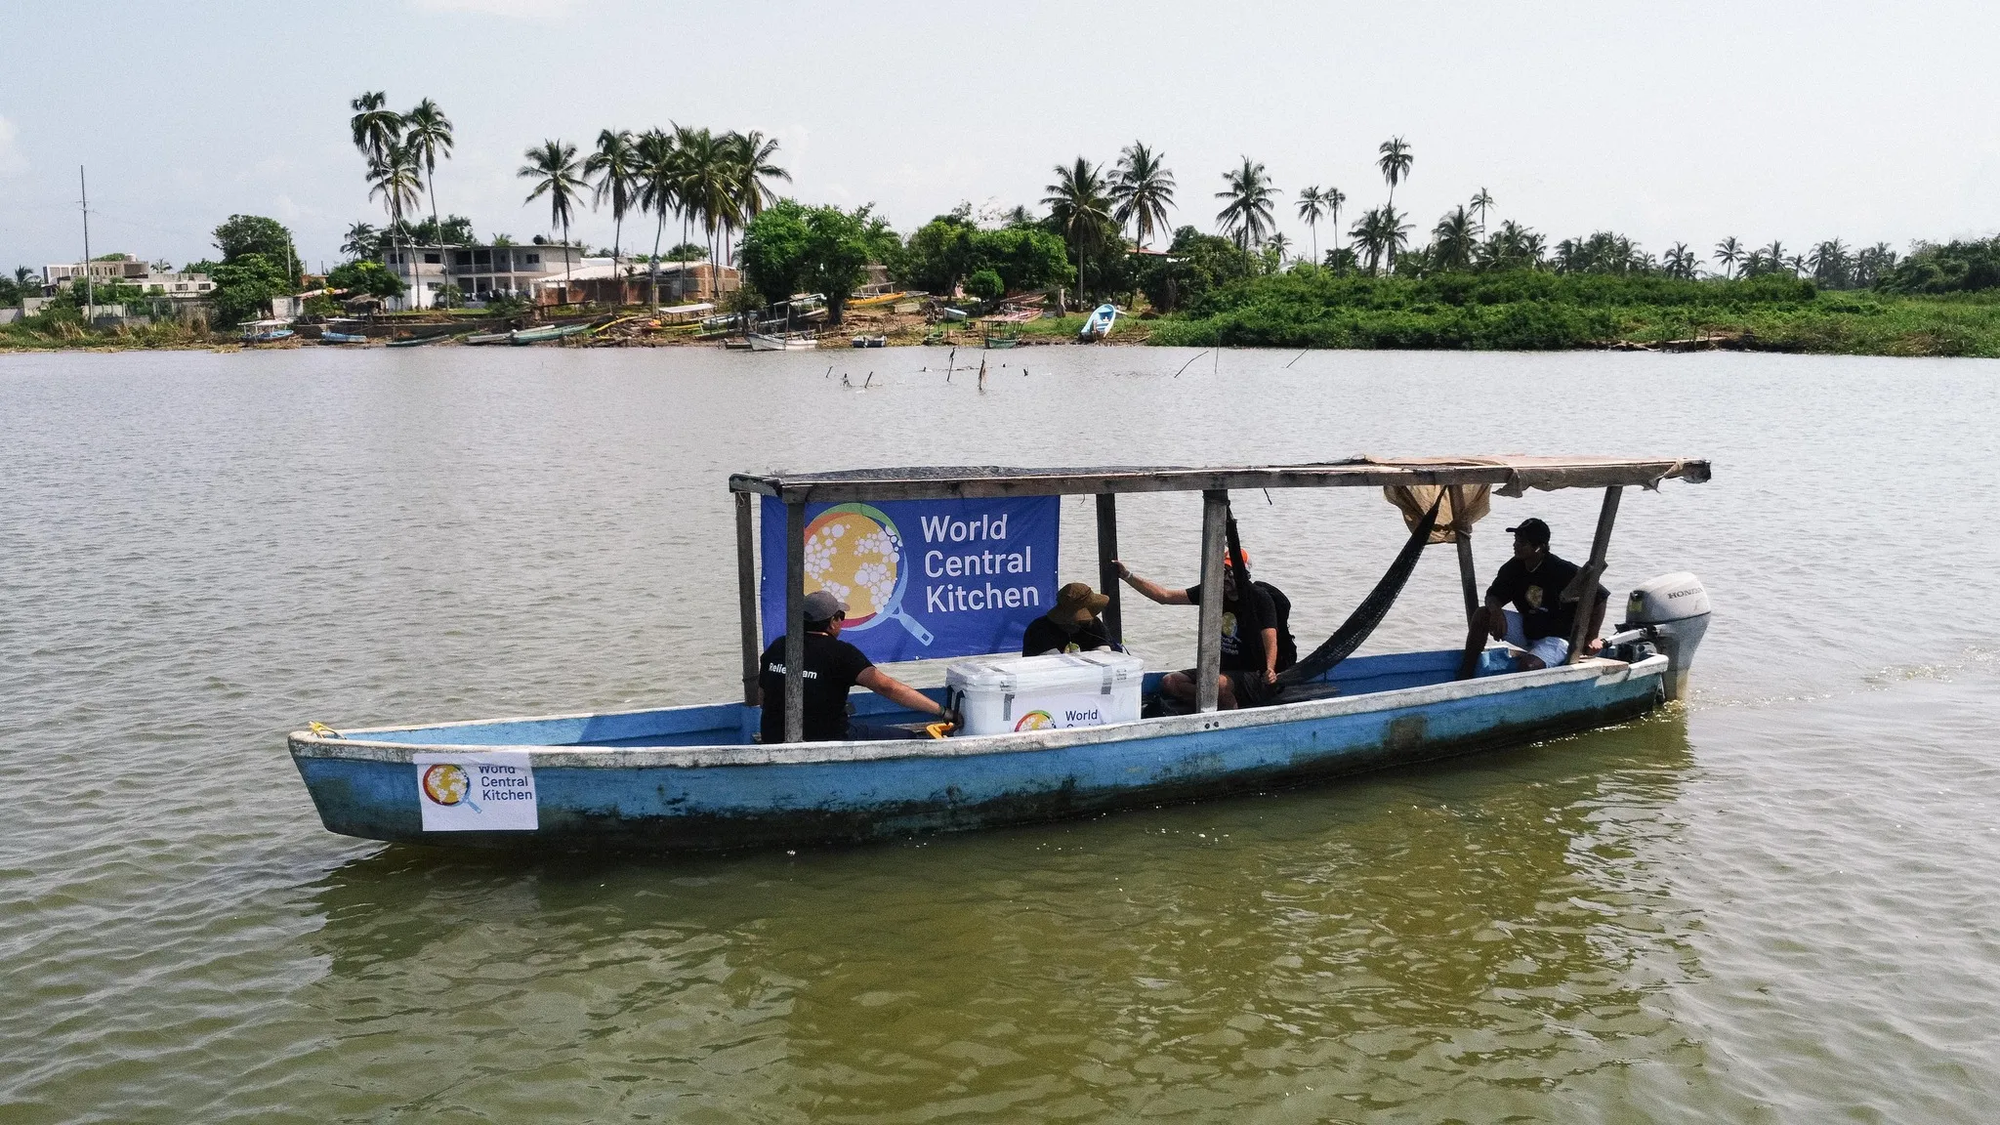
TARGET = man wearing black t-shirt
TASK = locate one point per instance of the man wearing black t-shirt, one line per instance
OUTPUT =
(1249, 640)
(832, 667)
(1533, 582)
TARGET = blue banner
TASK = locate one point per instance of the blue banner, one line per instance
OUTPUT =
(922, 578)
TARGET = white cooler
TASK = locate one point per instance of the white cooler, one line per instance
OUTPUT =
(997, 694)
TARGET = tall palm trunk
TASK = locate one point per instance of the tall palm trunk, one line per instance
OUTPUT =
(568, 293)
(655, 263)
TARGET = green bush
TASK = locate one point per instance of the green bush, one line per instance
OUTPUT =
(986, 285)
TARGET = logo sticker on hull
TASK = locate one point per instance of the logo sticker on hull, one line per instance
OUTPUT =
(488, 791)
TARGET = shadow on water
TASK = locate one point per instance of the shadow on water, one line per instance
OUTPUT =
(1479, 935)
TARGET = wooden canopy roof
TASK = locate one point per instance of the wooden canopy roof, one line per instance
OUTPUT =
(1511, 475)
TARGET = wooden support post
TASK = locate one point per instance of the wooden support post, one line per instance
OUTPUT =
(1585, 586)
(1468, 578)
(1107, 568)
(1208, 646)
(746, 597)
(795, 621)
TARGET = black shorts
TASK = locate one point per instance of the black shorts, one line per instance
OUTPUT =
(1249, 688)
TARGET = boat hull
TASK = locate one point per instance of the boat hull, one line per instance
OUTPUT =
(763, 343)
(622, 793)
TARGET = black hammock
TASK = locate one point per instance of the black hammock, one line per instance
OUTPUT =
(1366, 616)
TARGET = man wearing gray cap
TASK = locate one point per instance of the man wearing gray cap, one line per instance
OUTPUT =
(832, 667)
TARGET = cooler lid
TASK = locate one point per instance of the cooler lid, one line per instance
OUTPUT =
(1035, 673)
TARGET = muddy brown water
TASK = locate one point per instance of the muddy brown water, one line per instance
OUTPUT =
(1775, 903)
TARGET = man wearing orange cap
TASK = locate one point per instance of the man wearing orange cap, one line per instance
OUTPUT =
(1072, 626)
(1249, 638)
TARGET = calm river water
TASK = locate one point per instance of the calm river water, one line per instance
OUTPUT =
(1780, 903)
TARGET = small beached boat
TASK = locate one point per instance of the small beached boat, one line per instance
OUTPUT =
(525, 336)
(695, 778)
(426, 341)
(788, 342)
(1099, 325)
(267, 331)
(330, 337)
(483, 339)
(871, 341)
(1002, 339)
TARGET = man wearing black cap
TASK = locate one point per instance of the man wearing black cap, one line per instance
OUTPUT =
(1534, 582)
(832, 668)
(1072, 626)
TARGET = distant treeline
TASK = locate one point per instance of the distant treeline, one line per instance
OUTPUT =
(1541, 310)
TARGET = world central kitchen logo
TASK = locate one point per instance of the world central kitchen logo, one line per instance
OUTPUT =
(975, 549)
(446, 784)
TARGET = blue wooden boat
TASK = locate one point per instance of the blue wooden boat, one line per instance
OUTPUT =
(331, 337)
(694, 778)
(1098, 325)
(267, 331)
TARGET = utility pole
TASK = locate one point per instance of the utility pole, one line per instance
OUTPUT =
(89, 292)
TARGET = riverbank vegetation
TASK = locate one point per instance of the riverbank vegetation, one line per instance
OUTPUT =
(1475, 279)
(1527, 310)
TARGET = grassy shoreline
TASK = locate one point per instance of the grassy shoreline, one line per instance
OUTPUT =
(1397, 315)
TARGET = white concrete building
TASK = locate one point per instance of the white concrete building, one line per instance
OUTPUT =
(126, 271)
(477, 271)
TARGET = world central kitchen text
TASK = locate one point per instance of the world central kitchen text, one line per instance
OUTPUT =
(969, 551)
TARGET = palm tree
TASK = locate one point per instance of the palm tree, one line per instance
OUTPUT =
(1312, 207)
(1535, 248)
(553, 168)
(1143, 189)
(616, 166)
(659, 191)
(1395, 233)
(1278, 244)
(1482, 201)
(397, 178)
(1729, 252)
(753, 152)
(1333, 199)
(1679, 261)
(1364, 235)
(1830, 263)
(1247, 217)
(1395, 163)
(1455, 238)
(1080, 209)
(1774, 255)
(427, 134)
(361, 241)
(708, 185)
(374, 128)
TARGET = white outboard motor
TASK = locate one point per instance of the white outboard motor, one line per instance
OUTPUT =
(1671, 612)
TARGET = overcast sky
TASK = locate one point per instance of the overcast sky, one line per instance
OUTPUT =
(1664, 121)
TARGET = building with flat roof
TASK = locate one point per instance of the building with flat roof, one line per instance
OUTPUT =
(126, 271)
(479, 272)
(601, 281)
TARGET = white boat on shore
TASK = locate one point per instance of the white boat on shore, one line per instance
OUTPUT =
(789, 342)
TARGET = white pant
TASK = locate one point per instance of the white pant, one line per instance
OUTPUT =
(1551, 651)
